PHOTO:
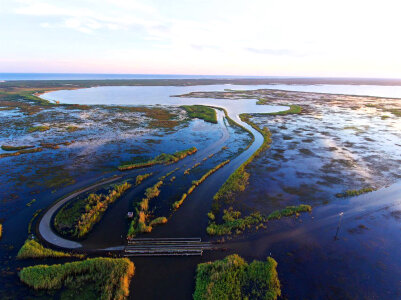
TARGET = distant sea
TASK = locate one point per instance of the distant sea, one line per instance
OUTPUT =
(84, 76)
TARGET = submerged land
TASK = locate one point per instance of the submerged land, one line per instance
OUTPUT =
(313, 205)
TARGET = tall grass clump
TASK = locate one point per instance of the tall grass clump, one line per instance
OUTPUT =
(32, 249)
(142, 177)
(110, 276)
(289, 211)
(233, 278)
(201, 112)
(160, 159)
(352, 193)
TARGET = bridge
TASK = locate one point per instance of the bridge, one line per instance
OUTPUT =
(167, 247)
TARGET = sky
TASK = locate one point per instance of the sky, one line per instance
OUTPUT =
(339, 38)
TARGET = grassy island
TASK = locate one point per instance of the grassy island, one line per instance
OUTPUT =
(160, 159)
(23, 151)
(353, 193)
(233, 278)
(14, 148)
(78, 218)
(32, 249)
(142, 177)
(201, 112)
(97, 278)
(232, 219)
(289, 211)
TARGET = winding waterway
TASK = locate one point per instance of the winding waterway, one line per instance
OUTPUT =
(172, 278)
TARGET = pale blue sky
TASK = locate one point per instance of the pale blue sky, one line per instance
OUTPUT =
(254, 37)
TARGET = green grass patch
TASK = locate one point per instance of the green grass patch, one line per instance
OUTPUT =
(289, 211)
(15, 148)
(72, 128)
(24, 151)
(160, 159)
(105, 278)
(233, 278)
(233, 221)
(352, 193)
(201, 112)
(294, 109)
(40, 128)
(32, 249)
(142, 177)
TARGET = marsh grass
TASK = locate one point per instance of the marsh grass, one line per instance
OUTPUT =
(233, 278)
(160, 159)
(140, 178)
(201, 112)
(40, 128)
(15, 148)
(109, 277)
(352, 193)
(289, 211)
(32, 249)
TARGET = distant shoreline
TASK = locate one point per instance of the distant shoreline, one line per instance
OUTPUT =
(199, 81)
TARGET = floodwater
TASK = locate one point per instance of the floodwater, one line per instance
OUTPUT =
(320, 255)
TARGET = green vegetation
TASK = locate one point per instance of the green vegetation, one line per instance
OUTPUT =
(168, 174)
(196, 183)
(32, 249)
(15, 148)
(72, 128)
(153, 191)
(351, 193)
(36, 213)
(142, 177)
(78, 218)
(238, 180)
(289, 211)
(233, 278)
(294, 109)
(384, 117)
(38, 128)
(31, 202)
(233, 221)
(157, 221)
(25, 151)
(201, 112)
(160, 159)
(138, 224)
(97, 278)
(394, 111)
